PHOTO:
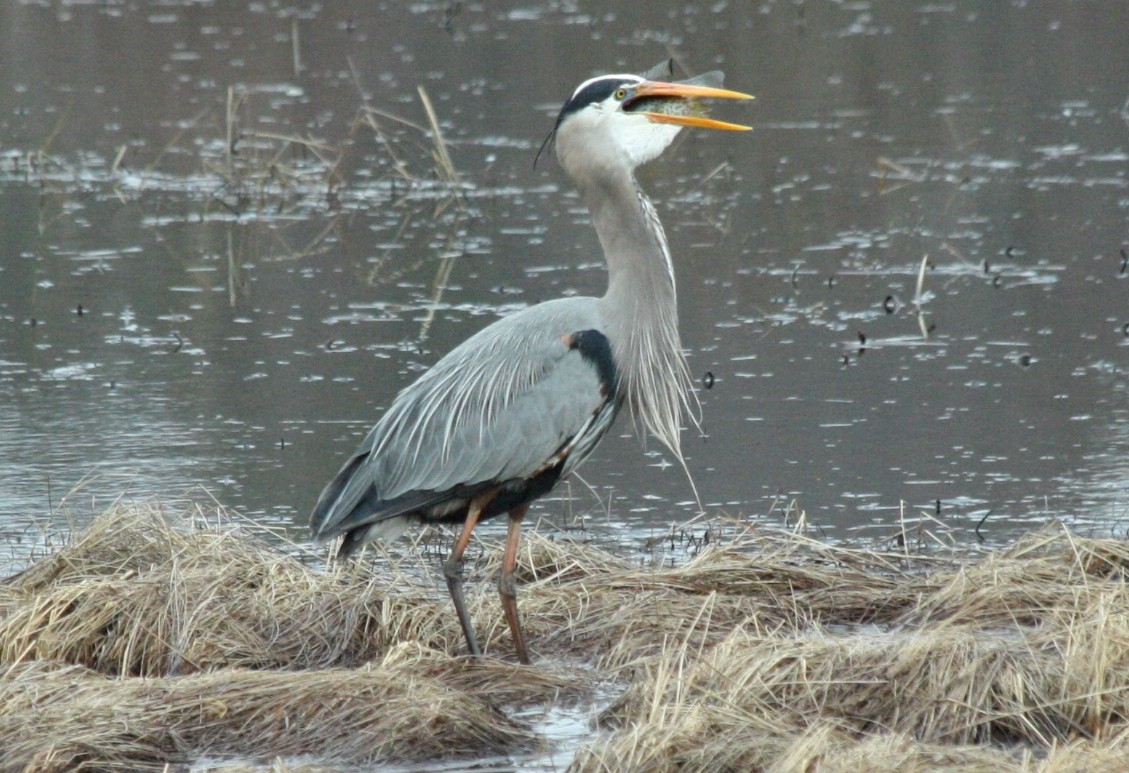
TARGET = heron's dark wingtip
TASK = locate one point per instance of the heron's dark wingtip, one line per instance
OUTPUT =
(318, 521)
(330, 510)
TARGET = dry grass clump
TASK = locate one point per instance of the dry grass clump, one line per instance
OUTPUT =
(388, 711)
(996, 664)
(62, 718)
(154, 640)
(138, 595)
(584, 598)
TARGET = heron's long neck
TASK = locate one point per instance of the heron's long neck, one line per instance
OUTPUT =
(640, 307)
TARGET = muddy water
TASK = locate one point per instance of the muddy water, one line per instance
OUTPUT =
(227, 243)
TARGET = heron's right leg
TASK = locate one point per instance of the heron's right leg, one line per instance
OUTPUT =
(453, 569)
(507, 588)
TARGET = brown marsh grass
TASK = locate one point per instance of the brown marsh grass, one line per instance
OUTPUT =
(163, 635)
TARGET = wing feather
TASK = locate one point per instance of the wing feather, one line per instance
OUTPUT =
(498, 407)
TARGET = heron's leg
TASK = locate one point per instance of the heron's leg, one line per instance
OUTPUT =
(453, 568)
(506, 585)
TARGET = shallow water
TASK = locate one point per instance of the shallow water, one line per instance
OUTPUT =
(175, 315)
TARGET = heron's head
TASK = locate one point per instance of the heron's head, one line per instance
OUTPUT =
(627, 120)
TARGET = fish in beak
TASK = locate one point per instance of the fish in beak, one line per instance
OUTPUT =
(677, 103)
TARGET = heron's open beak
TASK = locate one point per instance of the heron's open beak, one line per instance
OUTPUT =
(661, 89)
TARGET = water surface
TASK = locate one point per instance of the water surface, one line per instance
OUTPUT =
(227, 244)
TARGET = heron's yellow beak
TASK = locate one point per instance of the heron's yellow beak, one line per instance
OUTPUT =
(664, 102)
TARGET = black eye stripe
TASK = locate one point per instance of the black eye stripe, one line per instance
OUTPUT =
(596, 91)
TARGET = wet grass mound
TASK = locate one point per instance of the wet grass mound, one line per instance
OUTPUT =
(157, 639)
(788, 655)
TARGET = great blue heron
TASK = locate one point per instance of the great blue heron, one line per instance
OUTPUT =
(516, 407)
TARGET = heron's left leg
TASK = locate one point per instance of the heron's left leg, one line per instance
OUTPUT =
(506, 585)
(453, 569)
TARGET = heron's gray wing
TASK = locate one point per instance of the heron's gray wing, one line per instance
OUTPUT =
(498, 407)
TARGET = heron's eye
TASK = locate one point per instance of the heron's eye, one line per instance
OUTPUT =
(620, 94)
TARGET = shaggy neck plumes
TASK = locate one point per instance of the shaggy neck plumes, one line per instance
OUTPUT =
(640, 307)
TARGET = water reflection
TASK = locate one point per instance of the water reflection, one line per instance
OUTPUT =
(909, 286)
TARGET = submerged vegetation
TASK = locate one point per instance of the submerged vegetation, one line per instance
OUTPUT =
(156, 639)
(280, 195)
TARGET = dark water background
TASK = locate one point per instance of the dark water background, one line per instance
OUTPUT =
(175, 315)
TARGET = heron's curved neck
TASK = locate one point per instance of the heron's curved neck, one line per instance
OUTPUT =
(640, 274)
(640, 308)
